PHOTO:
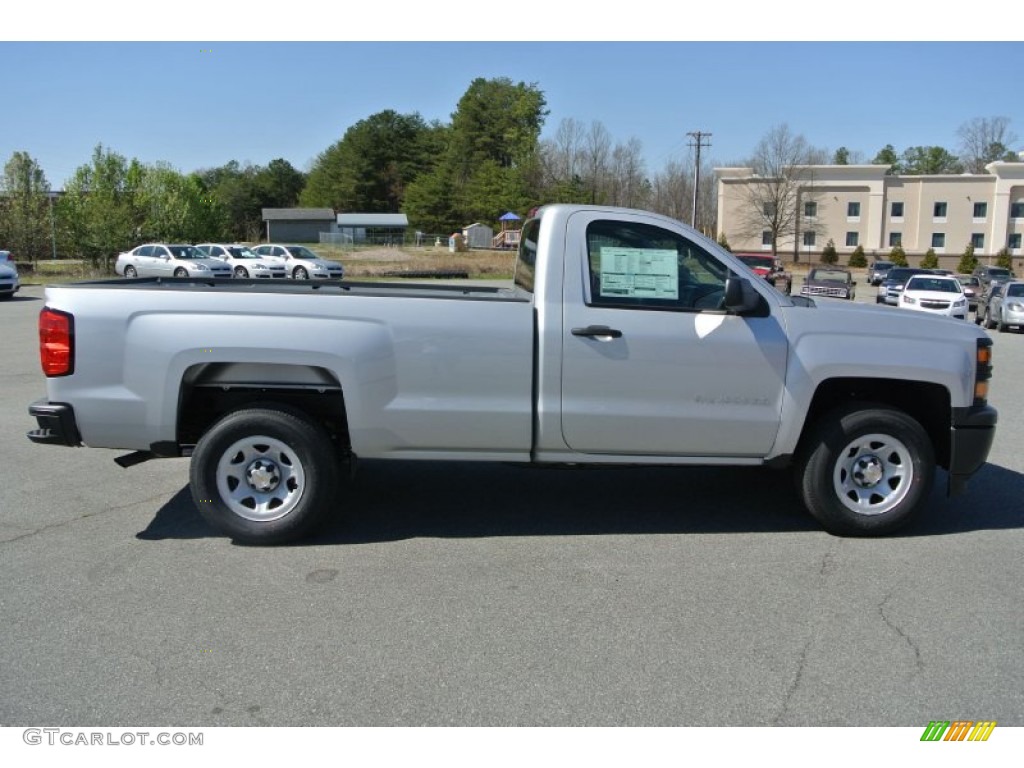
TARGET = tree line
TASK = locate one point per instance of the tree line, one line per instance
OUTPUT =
(487, 160)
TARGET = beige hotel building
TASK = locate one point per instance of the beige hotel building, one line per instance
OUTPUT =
(860, 205)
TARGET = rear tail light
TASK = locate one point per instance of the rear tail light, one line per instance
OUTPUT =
(56, 342)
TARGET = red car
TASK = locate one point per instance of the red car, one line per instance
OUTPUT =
(768, 268)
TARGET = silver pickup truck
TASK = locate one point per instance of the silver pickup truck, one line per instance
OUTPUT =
(627, 338)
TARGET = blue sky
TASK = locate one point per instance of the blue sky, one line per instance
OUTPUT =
(203, 103)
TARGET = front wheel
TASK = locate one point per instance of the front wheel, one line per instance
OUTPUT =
(264, 475)
(300, 273)
(181, 272)
(241, 273)
(866, 471)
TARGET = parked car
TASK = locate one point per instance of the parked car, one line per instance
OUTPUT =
(769, 269)
(988, 274)
(972, 289)
(890, 289)
(300, 262)
(938, 294)
(836, 282)
(878, 270)
(243, 262)
(169, 260)
(9, 282)
(1005, 306)
(990, 295)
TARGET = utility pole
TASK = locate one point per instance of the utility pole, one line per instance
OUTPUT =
(698, 142)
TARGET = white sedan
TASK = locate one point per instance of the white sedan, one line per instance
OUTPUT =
(243, 262)
(936, 294)
(161, 260)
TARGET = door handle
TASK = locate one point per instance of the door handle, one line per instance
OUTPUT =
(602, 332)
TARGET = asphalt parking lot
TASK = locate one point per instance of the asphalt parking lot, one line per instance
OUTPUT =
(496, 595)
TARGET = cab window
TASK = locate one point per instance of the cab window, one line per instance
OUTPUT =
(633, 265)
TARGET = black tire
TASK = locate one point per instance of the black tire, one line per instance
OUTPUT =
(181, 272)
(866, 471)
(240, 272)
(1000, 323)
(300, 273)
(130, 273)
(986, 321)
(264, 475)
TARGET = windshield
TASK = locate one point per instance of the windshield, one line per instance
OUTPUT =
(933, 284)
(301, 252)
(242, 253)
(765, 262)
(998, 272)
(883, 265)
(1017, 289)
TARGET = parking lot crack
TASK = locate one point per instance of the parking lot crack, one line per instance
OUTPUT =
(795, 685)
(918, 661)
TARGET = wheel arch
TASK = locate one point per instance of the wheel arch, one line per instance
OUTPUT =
(927, 403)
(209, 391)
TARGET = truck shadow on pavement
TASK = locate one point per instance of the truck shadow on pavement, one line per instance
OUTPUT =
(395, 500)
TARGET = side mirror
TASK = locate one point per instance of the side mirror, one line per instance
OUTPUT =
(740, 295)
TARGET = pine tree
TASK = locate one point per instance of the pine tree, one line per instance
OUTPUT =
(930, 260)
(968, 262)
(829, 254)
(857, 258)
(898, 256)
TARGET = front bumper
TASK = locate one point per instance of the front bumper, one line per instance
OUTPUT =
(970, 440)
(57, 425)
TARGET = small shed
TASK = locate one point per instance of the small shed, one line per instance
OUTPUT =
(297, 225)
(478, 235)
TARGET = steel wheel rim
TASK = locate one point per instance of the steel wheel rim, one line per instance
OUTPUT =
(246, 461)
(301, 274)
(240, 272)
(129, 272)
(874, 473)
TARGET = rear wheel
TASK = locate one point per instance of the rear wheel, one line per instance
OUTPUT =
(130, 273)
(264, 475)
(867, 470)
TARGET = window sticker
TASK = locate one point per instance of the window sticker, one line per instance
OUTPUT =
(639, 273)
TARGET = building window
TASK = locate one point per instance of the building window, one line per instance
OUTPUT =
(938, 239)
(939, 211)
(766, 237)
(810, 210)
(808, 238)
(769, 210)
(978, 240)
(1013, 242)
(897, 210)
(895, 238)
(852, 238)
(1017, 210)
(980, 210)
(852, 210)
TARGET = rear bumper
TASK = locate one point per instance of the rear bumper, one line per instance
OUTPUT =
(970, 439)
(56, 422)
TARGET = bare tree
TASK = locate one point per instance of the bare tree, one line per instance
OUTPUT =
(983, 140)
(782, 163)
(628, 175)
(597, 155)
(672, 193)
